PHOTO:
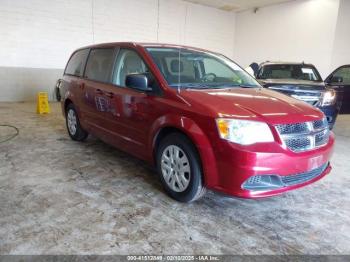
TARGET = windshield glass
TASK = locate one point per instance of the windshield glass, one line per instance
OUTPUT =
(298, 72)
(188, 68)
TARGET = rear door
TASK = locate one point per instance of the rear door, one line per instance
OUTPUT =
(340, 81)
(97, 98)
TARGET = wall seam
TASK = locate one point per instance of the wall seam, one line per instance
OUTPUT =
(333, 40)
(92, 21)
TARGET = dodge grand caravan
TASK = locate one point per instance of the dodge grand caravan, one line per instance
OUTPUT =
(198, 117)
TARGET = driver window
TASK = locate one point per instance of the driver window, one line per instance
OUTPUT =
(212, 66)
(180, 69)
(128, 62)
(219, 72)
(344, 73)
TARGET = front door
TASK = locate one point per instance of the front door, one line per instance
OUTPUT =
(136, 109)
(340, 81)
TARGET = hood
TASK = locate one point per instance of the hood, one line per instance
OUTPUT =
(293, 84)
(251, 103)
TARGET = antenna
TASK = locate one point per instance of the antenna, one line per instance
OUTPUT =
(179, 72)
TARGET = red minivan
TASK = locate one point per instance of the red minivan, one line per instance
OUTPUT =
(198, 117)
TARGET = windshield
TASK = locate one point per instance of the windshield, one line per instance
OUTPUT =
(298, 72)
(186, 68)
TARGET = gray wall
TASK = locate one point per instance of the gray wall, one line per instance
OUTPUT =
(22, 84)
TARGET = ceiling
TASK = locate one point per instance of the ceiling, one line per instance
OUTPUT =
(237, 5)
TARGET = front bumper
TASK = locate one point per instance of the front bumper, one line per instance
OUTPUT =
(236, 166)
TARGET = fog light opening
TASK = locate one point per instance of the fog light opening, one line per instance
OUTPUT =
(265, 182)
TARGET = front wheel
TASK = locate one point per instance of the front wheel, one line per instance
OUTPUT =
(180, 169)
(75, 131)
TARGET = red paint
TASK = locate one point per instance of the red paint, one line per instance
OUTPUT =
(136, 118)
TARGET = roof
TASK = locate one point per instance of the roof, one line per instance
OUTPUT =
(284, 63)
(141, 44)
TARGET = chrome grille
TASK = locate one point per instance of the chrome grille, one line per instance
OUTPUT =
(292, 128)
(321, 138)
(304, 136)
(308, 96)
(320, 124)
(296, 143)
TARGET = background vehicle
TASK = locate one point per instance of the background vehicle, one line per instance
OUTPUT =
(194, 114)
(301, 81)
(340, 81)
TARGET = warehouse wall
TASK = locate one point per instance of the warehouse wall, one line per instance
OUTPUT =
(302, 30)
(37, 36)
(341, 47)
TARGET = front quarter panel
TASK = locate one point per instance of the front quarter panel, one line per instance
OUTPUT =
(197, 136)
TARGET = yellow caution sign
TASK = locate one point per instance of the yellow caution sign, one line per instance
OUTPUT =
(43, 103)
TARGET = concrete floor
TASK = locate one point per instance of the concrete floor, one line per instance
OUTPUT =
(63, 197)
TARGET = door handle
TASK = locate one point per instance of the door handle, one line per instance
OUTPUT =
(99, 92)
(132, 106)
(109, 94)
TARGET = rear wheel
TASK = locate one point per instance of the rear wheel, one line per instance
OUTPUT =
(179, 168)
(75, 131)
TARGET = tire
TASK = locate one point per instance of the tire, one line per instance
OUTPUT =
(183, 182)
(75, 131)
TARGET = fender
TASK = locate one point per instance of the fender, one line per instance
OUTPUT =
(199, 139)
(70, 96)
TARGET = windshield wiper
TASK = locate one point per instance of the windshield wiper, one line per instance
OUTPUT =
(219, 86)
(191, 85)
(247, 86)
(210, 86)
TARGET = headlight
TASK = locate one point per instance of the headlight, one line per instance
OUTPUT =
(328, 98)
(244, 132)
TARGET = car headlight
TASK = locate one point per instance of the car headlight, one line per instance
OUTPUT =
(244, 132)
(328, 98)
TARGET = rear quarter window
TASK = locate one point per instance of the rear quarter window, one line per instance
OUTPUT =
(76, 63)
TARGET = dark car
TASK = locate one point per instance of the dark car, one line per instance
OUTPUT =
(194, 115)
(301, 81)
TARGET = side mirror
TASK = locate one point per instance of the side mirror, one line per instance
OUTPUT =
(336, 79)
(137, 81)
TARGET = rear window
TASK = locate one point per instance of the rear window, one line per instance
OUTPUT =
(76, 63)
(299, 72)
(99, 65)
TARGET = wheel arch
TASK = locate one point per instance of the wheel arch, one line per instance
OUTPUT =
(187, 127)
(66, 103)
